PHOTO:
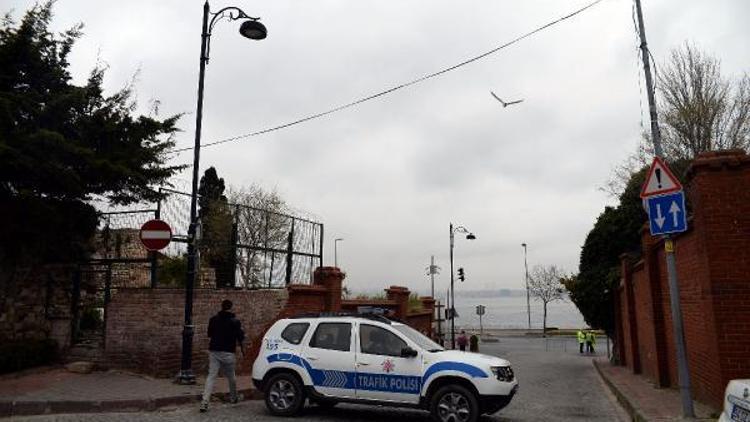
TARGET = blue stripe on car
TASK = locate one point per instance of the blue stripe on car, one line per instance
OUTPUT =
(374, 382)
(470, 370)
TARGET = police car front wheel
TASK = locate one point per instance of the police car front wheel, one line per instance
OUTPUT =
(454, 403)
(284, 395)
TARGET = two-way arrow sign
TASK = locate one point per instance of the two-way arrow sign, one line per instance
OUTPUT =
(673, 204)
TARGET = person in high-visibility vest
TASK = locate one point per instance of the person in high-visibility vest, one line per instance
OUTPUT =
(590, 341)
(581, 340)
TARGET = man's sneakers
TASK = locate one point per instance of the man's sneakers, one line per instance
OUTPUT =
(232, 399)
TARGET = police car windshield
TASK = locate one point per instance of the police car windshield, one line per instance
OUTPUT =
(419, 338)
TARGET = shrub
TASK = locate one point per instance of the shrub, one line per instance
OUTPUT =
(91, 319)
(21, 354)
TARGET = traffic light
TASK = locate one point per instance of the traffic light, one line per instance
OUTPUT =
(461, 275)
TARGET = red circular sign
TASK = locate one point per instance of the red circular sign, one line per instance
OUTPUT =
(155, 235)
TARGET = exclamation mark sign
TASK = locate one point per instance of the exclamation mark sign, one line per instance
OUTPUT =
(658, 177)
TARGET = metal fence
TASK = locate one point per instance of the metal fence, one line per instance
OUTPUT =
(239, 246)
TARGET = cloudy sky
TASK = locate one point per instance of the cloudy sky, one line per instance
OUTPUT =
(390, 175)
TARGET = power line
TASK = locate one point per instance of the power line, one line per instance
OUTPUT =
(396, 87)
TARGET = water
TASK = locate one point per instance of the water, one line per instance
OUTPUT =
(510, 312)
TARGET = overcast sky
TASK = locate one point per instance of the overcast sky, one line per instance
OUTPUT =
(390, 175)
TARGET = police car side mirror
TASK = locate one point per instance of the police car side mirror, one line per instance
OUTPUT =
(408, 352)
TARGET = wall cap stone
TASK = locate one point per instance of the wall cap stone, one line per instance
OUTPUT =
(718, 160)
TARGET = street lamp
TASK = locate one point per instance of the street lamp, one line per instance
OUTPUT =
(526, 266)
(252, 29)
(469, 236)
(336, 251)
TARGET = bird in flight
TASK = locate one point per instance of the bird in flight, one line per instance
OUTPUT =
(503, 102)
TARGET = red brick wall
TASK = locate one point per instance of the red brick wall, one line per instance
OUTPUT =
(144, 326)
(721, 185)
(713, 267)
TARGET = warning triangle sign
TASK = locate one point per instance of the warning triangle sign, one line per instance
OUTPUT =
(660, 180)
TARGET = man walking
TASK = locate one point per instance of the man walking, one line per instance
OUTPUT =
(225, 332)
(581, 340)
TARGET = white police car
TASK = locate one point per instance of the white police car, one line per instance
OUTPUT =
(370, 359)
(736, 401)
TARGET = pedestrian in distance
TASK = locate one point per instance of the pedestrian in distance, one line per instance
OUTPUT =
(462, 341)
(581, 340)
(225, 333)
(590, 341)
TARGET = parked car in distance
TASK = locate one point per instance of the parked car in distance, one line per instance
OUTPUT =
(370, 359)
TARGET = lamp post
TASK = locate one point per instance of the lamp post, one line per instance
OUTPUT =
(336, 251)
(528, 302)
(252, 29)
(469, 236)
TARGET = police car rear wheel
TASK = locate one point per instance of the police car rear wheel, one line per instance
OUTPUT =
(454, 403)
(284, 395)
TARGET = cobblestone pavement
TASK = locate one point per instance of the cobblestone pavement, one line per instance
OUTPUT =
(556, 384)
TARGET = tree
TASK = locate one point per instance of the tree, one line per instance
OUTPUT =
(701, 110)
(616, 231)
(216, 245)
(545, 284)
(62, 145)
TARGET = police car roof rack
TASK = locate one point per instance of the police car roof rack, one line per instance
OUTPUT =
(365, 315)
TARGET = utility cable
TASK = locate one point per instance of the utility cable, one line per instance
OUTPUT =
(396, 87)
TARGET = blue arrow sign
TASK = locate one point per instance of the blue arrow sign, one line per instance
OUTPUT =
(666, 213)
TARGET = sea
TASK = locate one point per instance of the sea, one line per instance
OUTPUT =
(509, 312)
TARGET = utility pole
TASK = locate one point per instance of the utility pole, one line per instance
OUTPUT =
(432, 270)
(528, 301)
(674, 288)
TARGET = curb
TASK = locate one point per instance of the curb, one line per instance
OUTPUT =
(635, 414)
(10, 408)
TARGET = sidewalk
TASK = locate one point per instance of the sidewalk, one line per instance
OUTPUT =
(642, 400)
(55, 390)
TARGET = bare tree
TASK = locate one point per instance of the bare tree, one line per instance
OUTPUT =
(545, 283)
(699, 110)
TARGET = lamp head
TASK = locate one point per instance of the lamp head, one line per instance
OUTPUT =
(471, 236)
(253, 29)
(523, 245)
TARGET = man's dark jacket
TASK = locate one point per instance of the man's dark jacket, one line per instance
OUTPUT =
(225, 331)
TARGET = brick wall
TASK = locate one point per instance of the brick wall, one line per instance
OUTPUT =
(144, 326)
(713, 267)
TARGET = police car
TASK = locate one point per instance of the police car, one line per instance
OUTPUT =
(375, 360)
(736, 401)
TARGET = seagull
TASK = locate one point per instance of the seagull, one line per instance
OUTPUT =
(503, 102)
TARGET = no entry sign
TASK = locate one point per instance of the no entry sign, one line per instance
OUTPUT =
(155, 235)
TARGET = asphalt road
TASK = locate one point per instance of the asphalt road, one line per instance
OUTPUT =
(556, 384)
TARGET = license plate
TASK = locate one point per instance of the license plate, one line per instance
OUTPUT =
(740, 414)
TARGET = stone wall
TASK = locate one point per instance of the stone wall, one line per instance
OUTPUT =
(35, 304)
(713, 267)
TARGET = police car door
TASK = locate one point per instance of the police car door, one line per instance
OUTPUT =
(330, 356)
(382, 372)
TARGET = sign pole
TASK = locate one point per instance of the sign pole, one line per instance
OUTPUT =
(674, 289)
